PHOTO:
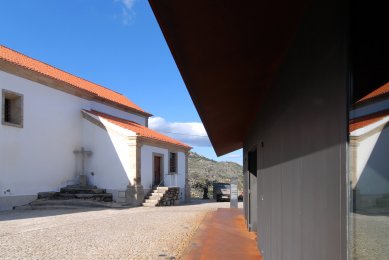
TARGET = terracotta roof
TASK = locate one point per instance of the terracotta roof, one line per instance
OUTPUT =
(140, 130)
(383, 90)
(95, 90)
(367, 120)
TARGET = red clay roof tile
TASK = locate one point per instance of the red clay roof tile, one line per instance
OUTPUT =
(77, 82)
(138, 129)
(384, 89)
(367, 120)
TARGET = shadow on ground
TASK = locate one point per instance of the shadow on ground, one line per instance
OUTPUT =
(39, 213)
(47, 212)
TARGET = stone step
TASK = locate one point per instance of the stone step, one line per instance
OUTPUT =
(151, 201)
(89, 196)
(162, 196)
(161, 189)
(146, 204)
(47, 195)
(70, 204)
(75, 190)
(107, 197)
(155, 196)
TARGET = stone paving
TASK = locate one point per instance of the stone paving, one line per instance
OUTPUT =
(135, 233)
(370, 236)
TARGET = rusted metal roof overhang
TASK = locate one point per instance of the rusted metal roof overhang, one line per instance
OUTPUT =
(228, 53)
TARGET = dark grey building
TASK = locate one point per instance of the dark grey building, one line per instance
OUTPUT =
(277, 78)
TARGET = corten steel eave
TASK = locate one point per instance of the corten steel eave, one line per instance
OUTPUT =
(228, 54)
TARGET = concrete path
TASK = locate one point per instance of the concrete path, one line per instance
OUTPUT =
(223, 235)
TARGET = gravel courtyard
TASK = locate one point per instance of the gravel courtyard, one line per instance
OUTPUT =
(135, 233)
(371, 237)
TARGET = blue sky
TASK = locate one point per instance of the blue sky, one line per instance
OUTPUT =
(115, 43)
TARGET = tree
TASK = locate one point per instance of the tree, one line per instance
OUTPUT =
(203, 172)
(202, 180)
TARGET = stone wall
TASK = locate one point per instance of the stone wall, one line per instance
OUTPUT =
(170, 197)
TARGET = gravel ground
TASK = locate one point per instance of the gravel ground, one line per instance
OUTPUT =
(136, 233)
(371, 237)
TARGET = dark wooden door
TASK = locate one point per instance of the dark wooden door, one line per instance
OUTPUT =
(157, 170)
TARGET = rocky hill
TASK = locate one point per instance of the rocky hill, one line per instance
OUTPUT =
(204, 171)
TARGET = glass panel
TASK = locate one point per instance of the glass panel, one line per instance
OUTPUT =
(369, 135)
(173, 162)
(7, 110)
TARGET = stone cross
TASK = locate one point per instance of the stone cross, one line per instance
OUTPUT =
(84, 153)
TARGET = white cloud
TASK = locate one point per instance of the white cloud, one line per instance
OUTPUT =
(127, 14)
(191, 133)
(128, 3)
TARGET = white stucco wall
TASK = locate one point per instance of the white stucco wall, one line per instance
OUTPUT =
(364, 151)
(118, 113)
(372, 166)
(113, 162)
(147, 172)
(181, 168)
(39, 157)
(147, 164)
(177, 180)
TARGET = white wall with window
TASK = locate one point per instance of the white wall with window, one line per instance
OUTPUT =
(12, 108)
(174, 168)
(38, 156)
(147, 172)
(41, 127)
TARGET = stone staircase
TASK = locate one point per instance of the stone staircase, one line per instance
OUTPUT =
(77, 192)
(162, 196)
(73, 196)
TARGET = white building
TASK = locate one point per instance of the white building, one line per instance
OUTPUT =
(48, 115)
(369, 148)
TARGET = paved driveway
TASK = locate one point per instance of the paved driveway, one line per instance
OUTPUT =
(136, 233)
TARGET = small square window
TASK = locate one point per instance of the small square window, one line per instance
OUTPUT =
(173, 163)
(12, 108)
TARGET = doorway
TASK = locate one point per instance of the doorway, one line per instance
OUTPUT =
(157, 168)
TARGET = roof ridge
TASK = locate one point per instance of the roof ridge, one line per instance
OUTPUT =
(157, 135)
(378, 92)
(55, 67)
(78, 82)
(363, 121)
(116, 117)
(370, 116)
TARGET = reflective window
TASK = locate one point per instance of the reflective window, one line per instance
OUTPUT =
(369, 134)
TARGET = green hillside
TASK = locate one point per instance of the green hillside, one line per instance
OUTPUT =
(204, 171)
